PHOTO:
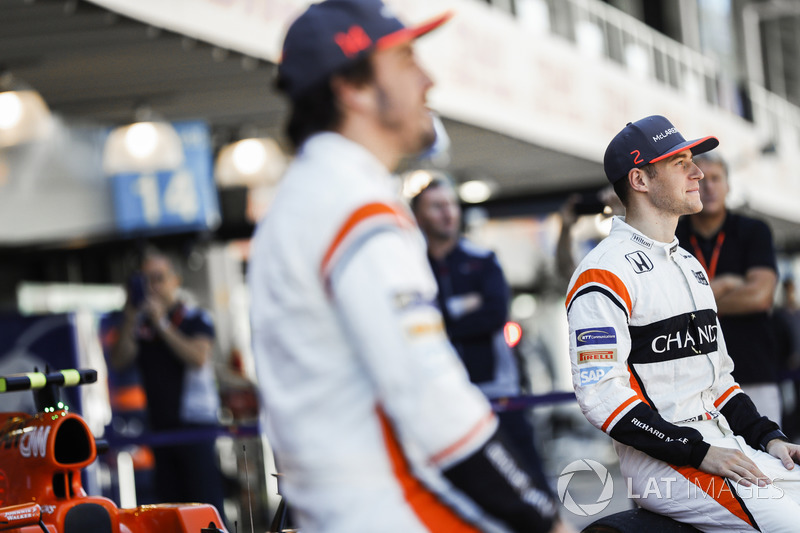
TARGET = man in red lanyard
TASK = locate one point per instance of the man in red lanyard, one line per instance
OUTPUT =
(738, 255)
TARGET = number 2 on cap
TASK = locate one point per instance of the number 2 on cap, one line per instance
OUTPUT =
(637, 158)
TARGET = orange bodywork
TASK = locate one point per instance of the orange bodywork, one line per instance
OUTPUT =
(41, 459)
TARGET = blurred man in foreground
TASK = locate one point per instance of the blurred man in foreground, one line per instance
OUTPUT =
(650, 365)
(374, 423)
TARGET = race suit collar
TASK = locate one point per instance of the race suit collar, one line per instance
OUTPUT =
(622, 229)
(322, 145)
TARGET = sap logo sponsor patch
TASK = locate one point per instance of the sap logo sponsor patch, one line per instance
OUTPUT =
(597, 356)
(592, 374)
(701, 278)
(642, 241)
(640, 262)
(603, 335)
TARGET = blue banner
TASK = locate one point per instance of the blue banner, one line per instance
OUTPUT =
(182, 199)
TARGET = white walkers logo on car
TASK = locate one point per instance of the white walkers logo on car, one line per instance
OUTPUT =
(585, 509)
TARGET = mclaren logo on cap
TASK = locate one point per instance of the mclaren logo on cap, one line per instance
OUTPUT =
(354, 41)
(640, 262)
(664, 134)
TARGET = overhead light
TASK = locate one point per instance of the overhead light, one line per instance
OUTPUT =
(250, 162)
(143, 147)
(414, 182)
(249, 156)
(10, 110)
(24, 115)
(141, 139)
(523, 306)
(475, 191)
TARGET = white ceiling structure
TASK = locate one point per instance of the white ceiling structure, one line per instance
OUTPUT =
(90, 64)
(94, 65)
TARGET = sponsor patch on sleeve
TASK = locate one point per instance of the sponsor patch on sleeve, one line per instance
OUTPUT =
(592, 374)
(597, 356)
(602, 335)
(411, 299)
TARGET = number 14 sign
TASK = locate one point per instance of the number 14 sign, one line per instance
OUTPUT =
(171, 200)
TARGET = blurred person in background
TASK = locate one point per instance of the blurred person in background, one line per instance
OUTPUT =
(738, 255)
(473, 297)
(650, 364)
(373, 421)
(171, 343)
(605, 202)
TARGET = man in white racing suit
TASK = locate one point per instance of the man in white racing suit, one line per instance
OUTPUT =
(649, 361)
(373, 421)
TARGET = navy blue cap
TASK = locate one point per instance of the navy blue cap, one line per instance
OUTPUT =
(648, 140)
(330, 35)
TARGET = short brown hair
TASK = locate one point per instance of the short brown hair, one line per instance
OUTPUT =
(623, 187)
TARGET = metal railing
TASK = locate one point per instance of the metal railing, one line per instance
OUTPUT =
(602, 30)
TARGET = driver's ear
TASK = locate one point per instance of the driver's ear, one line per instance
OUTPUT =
(637, 178)
(350, 96)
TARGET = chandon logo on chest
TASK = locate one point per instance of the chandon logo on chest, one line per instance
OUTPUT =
(675, 337)
(682, 339)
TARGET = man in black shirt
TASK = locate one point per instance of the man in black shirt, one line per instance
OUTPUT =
(171, 343)
(739, 257)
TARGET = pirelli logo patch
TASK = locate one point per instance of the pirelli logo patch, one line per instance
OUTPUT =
(597, 356)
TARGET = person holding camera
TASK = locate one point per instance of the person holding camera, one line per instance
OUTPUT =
(171, 345)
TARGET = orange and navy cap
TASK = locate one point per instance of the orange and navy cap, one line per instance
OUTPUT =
(332, 34)
(648, 140)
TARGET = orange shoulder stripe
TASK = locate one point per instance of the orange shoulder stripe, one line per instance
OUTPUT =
(617, 411)
(435, 515)
(450, 450)
(717, 488)
(725, 395)
(634, 383)
(603, 277)
(360, 215)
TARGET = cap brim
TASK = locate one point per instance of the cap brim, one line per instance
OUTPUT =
(698, 146)
(409, 34)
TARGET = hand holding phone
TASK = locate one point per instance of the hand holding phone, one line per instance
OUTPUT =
(136, 290)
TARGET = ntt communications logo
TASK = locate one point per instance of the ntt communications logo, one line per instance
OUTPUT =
(585, 509)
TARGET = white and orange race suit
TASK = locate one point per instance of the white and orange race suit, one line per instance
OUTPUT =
(373, 421)
(650, 368)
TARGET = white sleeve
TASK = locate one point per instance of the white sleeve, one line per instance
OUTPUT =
(599, 367)
(384, 292)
